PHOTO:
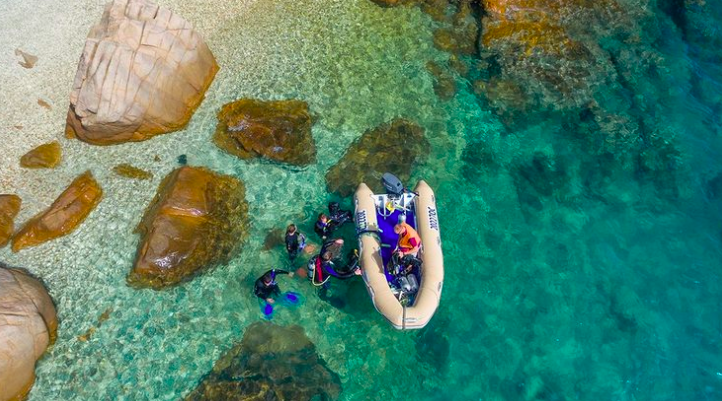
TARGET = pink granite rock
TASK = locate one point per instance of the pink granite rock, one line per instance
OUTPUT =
(28, 324)
(143, 72)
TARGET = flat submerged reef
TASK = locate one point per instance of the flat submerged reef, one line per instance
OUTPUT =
(153, 154)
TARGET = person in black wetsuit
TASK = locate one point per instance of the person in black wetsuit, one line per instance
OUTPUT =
(326, 224)
(266, 287)
(323, 227)
(295, 242)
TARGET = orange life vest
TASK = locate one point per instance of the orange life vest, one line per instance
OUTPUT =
(405, 239)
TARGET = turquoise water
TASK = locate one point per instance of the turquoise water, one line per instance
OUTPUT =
(571, 273)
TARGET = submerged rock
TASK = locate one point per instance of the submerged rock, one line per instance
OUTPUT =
(28, 325)
(392, 147)
(197, 219)
(9, 208)
(274, 238)
(28, 59)
(63, 216)
(271, 363)
(444, 84)
(47, 155)
(143, 72)
(548, 51)
(128, 171)
(278, 130)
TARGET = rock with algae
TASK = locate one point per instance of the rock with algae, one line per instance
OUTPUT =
(277, 130)
(28, 325)
(47, 155)
(9, 208)
(128, 171)
(63, 216)
(143, 72)
(271, 363)
(392, 147)
(196, 220)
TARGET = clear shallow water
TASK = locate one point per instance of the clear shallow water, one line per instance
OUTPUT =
(609, 294)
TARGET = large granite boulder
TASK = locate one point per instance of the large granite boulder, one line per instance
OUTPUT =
(28, 325)
(9, 208)
(277, 130)
(143, 72)
(197, 219)
(47, 155)
(63, 216)
(392, 147)
(271, 363)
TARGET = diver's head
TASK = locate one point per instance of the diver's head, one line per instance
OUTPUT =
(322, 218)
(291, 229)
(326, 256)
(269, 277)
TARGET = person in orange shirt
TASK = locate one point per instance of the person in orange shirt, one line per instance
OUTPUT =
(409, 241)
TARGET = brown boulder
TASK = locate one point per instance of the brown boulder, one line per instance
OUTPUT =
(271, 363)
(63, 216)
(197, 219)
(143, 72)
(28, 325)
(47, 155)
(128, 171)
(392, 147)
(9, 208)
(278, 130)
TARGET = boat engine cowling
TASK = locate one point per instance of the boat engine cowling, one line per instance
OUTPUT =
(392, 184)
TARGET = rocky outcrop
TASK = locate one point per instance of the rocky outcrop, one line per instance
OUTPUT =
(128, 171)
(9, 208)
(277, 130)
(143, 72)
(271, 363)
(197, 219)
(63, 216)
(392, 147)
(28, 325)
(47, 155)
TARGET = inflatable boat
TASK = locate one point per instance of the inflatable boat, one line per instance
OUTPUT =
(407, 299)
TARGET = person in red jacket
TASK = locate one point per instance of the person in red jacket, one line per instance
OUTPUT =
(409, 241)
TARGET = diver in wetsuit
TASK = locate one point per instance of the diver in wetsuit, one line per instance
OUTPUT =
(295, 241)
(326, 224)
(266, 287)
(329, 264)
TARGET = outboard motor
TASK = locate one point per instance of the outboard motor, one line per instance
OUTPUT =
(392, 184)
